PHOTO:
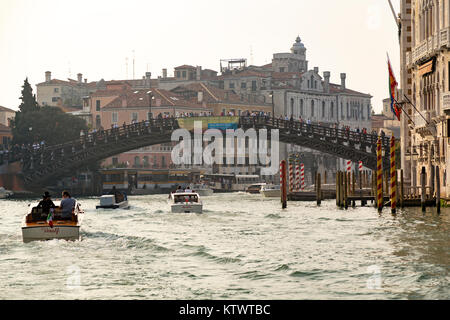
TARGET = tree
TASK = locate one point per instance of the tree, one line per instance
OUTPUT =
(29, 103)
(49, 124)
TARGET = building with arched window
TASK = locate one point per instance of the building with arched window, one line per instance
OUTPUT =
(425, 90)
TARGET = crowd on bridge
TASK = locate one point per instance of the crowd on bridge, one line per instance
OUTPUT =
(16, 152)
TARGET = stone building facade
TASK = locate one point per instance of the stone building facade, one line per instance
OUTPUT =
(428, 63)
(294, 90)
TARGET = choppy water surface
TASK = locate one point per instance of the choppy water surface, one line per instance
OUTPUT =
(242, 247)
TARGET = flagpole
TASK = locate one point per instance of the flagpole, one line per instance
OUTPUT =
(404, 112)
(409, 101)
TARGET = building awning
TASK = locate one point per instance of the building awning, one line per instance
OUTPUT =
(427, 68)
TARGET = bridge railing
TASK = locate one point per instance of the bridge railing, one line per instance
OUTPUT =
(147, 126)
(53, 151)
(316, 130)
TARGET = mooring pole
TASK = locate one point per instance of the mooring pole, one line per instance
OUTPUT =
(345, 190)
(318, 196)
(342, 188)
(379, 177)
(402, 194)
(337, 188)
(283, 182)
(438, 190)
(353, 182)
(360, 187)
(422, 182)
(393, 178)
(374, 188)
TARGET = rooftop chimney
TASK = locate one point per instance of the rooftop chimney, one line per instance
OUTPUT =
(343, 76)
(80, 78)
(85, 80)
(198, 74)
(148, 75)
(48, 76)
(316, 70)
(326, 77)
(164, 71)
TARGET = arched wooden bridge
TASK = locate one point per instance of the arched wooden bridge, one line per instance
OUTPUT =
(42, 166)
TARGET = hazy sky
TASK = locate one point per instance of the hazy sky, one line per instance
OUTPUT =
(94, 37)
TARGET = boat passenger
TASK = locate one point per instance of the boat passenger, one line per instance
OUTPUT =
(118, 196)
(179, 190)
(188, 190)
(46, 203)
(67, 206)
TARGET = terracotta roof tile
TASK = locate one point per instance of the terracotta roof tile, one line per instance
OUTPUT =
(286, 75)
(244, 74)
(140, 98)
(185, 66)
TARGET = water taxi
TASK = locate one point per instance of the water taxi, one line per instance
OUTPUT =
(36, 227)
(271, 191)
(185, 202)
(5, 193)
(255, 188)
(111, 201)
(202, 189)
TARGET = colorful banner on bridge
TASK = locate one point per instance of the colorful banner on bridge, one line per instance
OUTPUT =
(221, 123)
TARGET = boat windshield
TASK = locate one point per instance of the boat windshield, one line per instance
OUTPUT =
(186, 198)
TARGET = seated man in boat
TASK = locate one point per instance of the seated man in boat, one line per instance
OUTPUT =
(118, 196)
(46, 203)
(67, 206)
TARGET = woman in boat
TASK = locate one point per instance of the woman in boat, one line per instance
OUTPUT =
(46, 203)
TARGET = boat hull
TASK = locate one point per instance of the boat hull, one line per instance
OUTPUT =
(45, 232)
(187, 208)
(121, 205)
(271, 193)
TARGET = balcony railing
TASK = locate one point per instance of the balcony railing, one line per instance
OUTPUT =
(445, 37)
(420, 121)
(431, 45)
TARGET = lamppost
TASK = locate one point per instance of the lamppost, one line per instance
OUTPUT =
(273, 104)
(150, 98)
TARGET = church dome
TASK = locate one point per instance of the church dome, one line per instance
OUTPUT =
(298, 46)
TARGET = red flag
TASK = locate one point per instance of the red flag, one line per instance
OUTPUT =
(392, 92)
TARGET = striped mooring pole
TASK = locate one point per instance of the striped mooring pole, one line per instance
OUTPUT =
(291, 175)
(349, 166)
(360, 166)
(302, 171)
(379, 177)
(297, 175)
(393, 178)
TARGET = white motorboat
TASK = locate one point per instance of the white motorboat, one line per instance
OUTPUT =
(255, 188)
(36, 225)
(5, 193)
(185, 202)
(271, 191)
(202, 189)
(110, 201)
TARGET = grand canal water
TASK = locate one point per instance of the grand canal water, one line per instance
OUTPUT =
(242, 247)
